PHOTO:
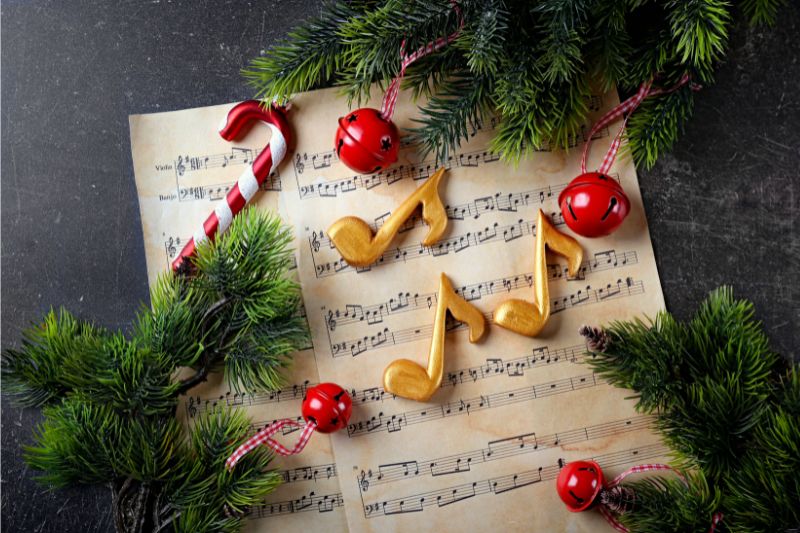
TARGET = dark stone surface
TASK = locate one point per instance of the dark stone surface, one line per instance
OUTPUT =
(723, 207)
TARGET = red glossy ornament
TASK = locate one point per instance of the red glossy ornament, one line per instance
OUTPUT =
(579, 483)
(593, 205)
(327, 405)
(366, 142)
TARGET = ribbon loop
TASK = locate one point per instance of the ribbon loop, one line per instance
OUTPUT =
(390, 98)
(625, 109)
(265, 437)
(611, 517)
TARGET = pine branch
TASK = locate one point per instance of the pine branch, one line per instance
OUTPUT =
(762, 12)
(727, 407)
(449, 117)
(700, 28)
(537, 59)
(309, 57)
(655, 126)
(666, 504)
(36, 371)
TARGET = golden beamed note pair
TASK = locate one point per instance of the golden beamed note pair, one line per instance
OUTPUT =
(359, 245)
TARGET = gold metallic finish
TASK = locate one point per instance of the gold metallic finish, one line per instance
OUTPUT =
(407, 378)
(528, 318)
(359, 246)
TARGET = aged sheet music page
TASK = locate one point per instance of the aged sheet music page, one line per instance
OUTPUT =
(485, 451)
(182, 168)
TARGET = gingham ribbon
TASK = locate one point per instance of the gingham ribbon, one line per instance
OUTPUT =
(650, 467)
(625, 109)
(241, 116)
(265, 437)
(390, 98)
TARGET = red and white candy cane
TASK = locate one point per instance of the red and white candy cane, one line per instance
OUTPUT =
(238, 121)
(625, 109)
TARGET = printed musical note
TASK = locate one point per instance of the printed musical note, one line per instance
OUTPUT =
(308, 473)
(406, 301)
(499, 485)
(528, 318)
(359, 246)
(498, 450)
(409, 379)
(311, 502)
(390, 337)
(397, 422)
(456, 244)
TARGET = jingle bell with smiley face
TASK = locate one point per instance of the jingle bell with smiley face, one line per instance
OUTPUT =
(579, 484)
(366, 141)
(594, 205)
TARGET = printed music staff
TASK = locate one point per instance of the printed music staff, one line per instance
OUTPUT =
(359, 246)
(528, 318)
(408, 379)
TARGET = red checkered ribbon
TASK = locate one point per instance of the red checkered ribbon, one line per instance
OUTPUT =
(650, 467)
(265, 437)
(625, 109)
(390, 98)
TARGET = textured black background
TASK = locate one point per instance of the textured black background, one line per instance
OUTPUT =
(723, 206)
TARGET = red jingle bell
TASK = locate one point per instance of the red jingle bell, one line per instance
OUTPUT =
(366, 141)
(328, 406)
(579, 483)
(593, 205)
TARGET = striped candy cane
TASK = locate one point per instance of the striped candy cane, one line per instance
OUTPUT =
(238, 121)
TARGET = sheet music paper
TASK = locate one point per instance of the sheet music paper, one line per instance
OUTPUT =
(485, 451)
(182, 168)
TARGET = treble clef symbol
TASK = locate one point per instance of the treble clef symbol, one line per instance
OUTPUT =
(179, 167)
(315, 242)
(298, 164)
(331, 320)
(362, 480)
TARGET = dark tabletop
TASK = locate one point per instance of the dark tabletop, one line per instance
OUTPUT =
(723, 206)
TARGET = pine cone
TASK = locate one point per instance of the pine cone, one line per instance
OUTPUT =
(597, 340)
(618, 499)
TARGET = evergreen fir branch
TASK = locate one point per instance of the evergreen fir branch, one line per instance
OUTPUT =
(172, 326)
(248, 265)
(209, 497)
(700, 28)
(427, 75)
(483, 41)
(726, 406)
(762, 12)
(450, 116)
(257, 361)
(75, 443)
(666, 504)
(309, 57)
(534, 56)
(120, 374)
(374, 40)
(609, 47)
(36, 371)
(148, 448)
(561, 23)
(655, 126)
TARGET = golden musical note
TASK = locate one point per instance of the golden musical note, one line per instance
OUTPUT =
(528, 318)
(408, 379)
(359, 246)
